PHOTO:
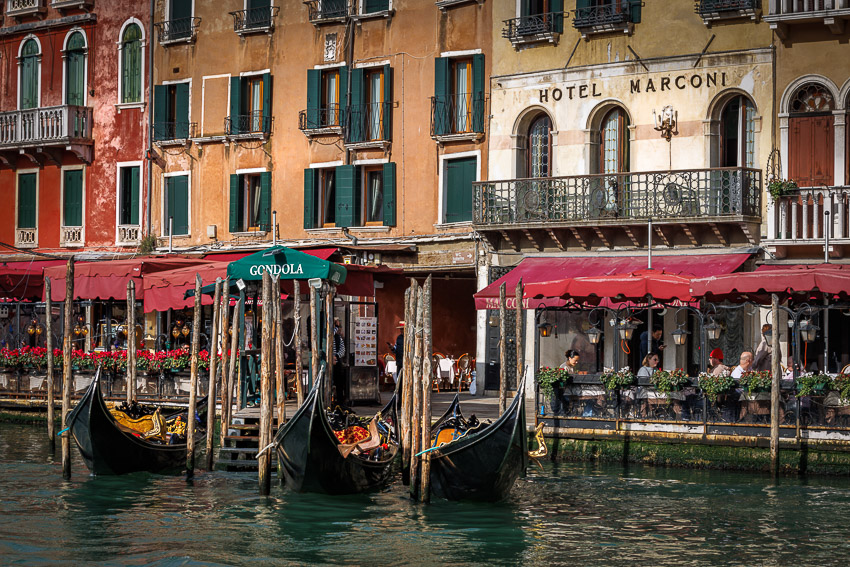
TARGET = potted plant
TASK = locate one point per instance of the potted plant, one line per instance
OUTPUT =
(753, 381)
(781, 187)
(715, 386)
(614, 380)
(547, 378)
(667, 382)
(811, 384)
(841, 384)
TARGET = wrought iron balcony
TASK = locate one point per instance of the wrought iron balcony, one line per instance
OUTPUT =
(173, 31)
(533, 27)
(457, 115)
(331, 117)
(706, 7)
(255, 19)
(603, 16)
(366, 123)
(249, 124)
(710, 196)
(327, 10)
(176, 132)
(46, 126)
(800, 218)
(832, 13)
(21, 8)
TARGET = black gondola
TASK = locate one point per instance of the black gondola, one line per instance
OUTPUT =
(309, 454)
(107, 448)
(484, 463)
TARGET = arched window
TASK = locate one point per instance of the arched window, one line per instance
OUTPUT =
(75, 70)
(540, 147)
(131, 64)
(811, 136)
(615, 142)
(737, 133)
(29, 70)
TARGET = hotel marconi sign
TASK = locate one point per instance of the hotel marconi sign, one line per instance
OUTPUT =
(672, 82)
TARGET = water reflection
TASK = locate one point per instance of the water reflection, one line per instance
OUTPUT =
(562, 513)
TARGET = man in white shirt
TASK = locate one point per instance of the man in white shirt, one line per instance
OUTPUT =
(744, 365)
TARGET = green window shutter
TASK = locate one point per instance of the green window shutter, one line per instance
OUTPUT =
(235, 202)
(75, 78)
(235, 104)
(29, 78)
(314, 95)
(133, 186)
(389, 194)
(343, 90)
(357, 111)
(460, 174)
(178, 204)
(266, 201)
(160, 104)
(388, 102)
(72, 208)
(181, 9)
(442, 107)
(636, 9)
(311, 183)
(181, 128)
(557, 8)
(478, 89)
(267, 103)
(346, 202)
(27, 200)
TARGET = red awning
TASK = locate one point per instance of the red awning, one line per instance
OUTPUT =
(108, 279)
(24, 280)
(165, 290)
(559, 268)
(634, 286)
(800, 283)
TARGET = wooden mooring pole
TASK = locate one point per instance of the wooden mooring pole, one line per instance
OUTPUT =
(774, 387)
(503, 351)
(225, 325)
(233, 367)
(314, 336)
(280, 377)
(330, 379)
(67, 377)
(299, 387)
(416, 417)
(48, 330)
(520, 352)
(193, 388)
(266, 353)
(131, 341)
(427, 374)
(213, 375)
(407, 380)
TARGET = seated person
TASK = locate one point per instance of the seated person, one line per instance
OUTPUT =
(715, 361)
(745, 364)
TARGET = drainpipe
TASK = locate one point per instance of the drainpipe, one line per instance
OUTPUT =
(149, 188)
(350, 60)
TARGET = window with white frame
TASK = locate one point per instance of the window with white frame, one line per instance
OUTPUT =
(130, 62)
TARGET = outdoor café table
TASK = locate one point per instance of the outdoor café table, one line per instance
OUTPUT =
(445, 370)
(756, 404)
(655, 401)
(587, 396)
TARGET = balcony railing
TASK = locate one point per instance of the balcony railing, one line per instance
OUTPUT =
(173, 131)
(255, 19)
(324, 10)
(832, 13)
(247, 124)
(66, 4)
(72, 235)
(321, 118)
(25, 7)
(26, 237)
(129, 234)
(51, 125)
(610, 13)
(800, 218)
(183, 29)
(702, 194)
(803, 7)
(456, 114)
(366, 122)
(533, 25)
(707, 7)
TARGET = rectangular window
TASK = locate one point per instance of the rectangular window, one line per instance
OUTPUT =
(171, 111)
(327, 197)
(176, 205)
(250, 105)
(330, 98)
(72, 197)
(462, 91)
(27, 194)
(128, 196)
(460, 174)
(372, 6)
(254, 103)
(458, 105)
(374, 104)
(250, 202)
(373, 195)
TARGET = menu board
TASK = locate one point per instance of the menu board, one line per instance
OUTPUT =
(365, 341)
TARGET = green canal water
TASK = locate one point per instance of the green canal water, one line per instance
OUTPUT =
(569, 514)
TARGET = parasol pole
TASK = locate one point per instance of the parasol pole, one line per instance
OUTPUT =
(649, 246)
(774, 388)
(48, 328)
(66, 367)
(193, 388)
(213, 353)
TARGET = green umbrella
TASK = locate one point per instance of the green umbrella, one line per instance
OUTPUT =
(287, 263)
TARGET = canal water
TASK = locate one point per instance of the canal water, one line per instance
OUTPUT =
(566, 514)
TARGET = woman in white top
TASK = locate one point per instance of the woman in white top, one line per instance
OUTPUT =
(649, 365)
